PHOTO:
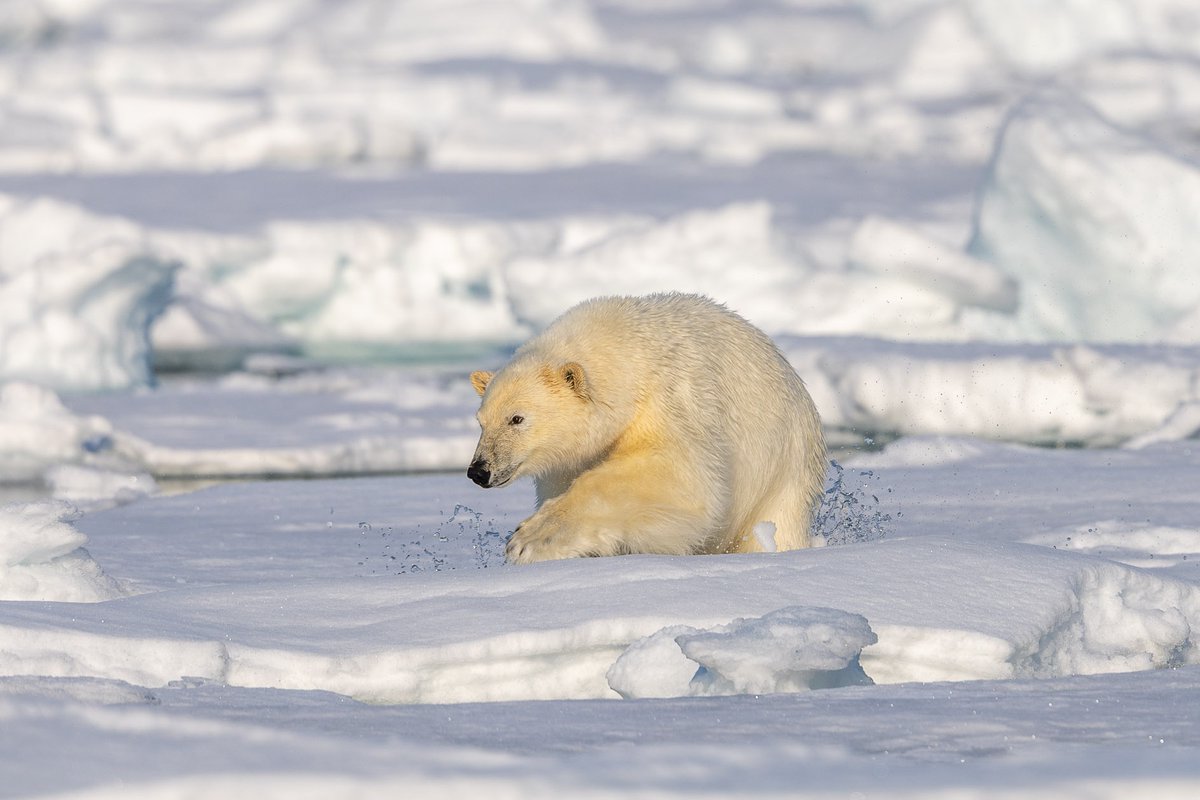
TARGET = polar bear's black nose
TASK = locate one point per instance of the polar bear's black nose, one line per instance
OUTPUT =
(479, 473)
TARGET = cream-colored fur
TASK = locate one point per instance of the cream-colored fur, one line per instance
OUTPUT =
(657, 424)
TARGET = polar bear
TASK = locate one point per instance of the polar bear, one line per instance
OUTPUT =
(656, 424)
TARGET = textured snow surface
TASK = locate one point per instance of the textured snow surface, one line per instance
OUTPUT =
(274, 614)
(515, 638)
(263, 609)
(77, 295)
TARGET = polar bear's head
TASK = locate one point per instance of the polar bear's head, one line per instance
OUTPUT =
(534, 419)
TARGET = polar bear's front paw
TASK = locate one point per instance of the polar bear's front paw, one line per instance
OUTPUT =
(536, 540)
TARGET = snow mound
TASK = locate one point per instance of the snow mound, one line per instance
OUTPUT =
(414, 286)
(1183, 423)
(78, 293)
(42, 558)
(789, 650)
(91, 488)
(555, 630)
(1119, 620)
(885, 247)
(370, 282)
(1096, 224)
(37, 431)
(693, 252)
(392, 286)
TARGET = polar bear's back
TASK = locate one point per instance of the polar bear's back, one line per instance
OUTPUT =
(672, 344)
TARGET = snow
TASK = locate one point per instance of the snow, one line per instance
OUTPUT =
(554, 630)
(79, 295)
(37, 432)
(42, 558)
(91, 487)
(1039, 394)
(249, 252)
(795, 648)
(885, 247)
(1048, 261)
(1038, 39)
(1068, 201)
(278, 594)
(1097, 227)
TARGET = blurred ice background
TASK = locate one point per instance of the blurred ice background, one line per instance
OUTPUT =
(188, 186)
(971, 217)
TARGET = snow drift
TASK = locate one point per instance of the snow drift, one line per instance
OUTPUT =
(42, 558)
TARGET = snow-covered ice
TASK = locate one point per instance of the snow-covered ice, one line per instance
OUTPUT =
(268, 240)
(254, 601)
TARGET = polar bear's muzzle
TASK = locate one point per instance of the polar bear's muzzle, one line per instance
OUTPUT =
(479, 472)
(482, 473)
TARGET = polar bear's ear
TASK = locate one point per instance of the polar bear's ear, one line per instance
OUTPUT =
(480, 380)
(572, 375)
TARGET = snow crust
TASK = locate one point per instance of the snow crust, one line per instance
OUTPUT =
(91, 488)
(1094, 395)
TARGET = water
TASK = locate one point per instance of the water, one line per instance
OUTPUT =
(462, 540)
(851, 511)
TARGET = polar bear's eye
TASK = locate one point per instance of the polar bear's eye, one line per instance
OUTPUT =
(516, 419)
